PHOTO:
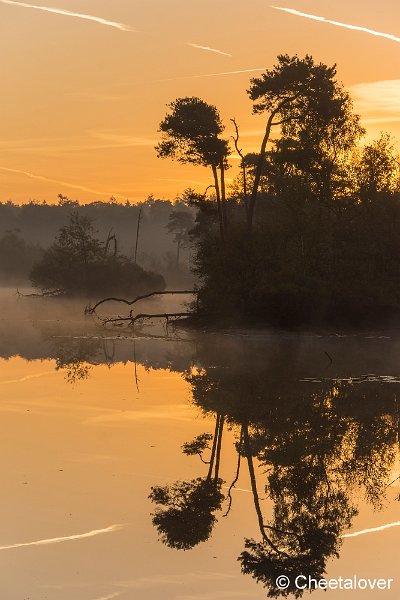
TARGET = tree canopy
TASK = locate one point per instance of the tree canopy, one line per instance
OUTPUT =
(309, 232)
(190, 134)
(78, 263)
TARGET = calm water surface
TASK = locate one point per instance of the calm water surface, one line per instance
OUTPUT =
(161, 467)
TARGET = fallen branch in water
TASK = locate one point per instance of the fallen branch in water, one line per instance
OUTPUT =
(92, 309)
(118, 321)
(52, 293)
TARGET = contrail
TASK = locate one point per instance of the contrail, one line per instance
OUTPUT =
(208, 49)
(291, 11)
(213, 74)
(70, 185)
(68, 13)
(236, 489)
(373, 530)
(27, 377)
(68, 538)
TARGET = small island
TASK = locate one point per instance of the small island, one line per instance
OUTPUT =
(308, 232)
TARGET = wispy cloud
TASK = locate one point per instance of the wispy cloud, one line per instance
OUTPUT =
(208, 49)
(82, 586)
(236, 489)
(105, 140)
(194, 181)
(379, 120)
(377, 97)
(297, 13)
(372, 530)
(214, 74)
(68, 13)
(174, 579)
(73, 186)
(69, 538)
(121, 140)
(215, 595)
(178, 413)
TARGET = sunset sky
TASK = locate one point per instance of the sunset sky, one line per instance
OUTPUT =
(85, 82)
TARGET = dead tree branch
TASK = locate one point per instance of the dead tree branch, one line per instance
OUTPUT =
(49, 294)
(243, 164)
(92, 309)
(118, 321)
(234, 482)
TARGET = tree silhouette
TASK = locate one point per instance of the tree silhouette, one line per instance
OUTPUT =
(179, 224)
(191, 135)
(189, 517)
(378, 170)
(303, 98)
(79, 263)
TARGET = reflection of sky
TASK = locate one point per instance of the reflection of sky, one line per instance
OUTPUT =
(65, 472)
(86, 87)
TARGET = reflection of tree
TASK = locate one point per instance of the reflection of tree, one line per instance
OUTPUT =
(315, 443)
(75, 355)
(310, 511)
(189, 517)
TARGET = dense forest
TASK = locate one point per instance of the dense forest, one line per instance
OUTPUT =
(27, 230)
(310, 230)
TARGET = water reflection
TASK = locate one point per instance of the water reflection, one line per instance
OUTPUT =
(73, 356)
(308, 448)
(189, 517)
(314, 420)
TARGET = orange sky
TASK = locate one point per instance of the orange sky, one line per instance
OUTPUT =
(82, 99)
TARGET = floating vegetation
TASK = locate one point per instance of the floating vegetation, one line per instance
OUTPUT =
(371, 377)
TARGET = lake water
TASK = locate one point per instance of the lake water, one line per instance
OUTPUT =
(101, 498)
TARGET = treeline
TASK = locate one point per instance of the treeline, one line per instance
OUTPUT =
(317, 253)
(17, 258)
(310, 231)
(27, 230)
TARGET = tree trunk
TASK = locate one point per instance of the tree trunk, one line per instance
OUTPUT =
(137, 232)
(218, 195)
(256, 499)
(253, 196)
(214, 447)
(178, 250)
(219, 444)
(223, 197)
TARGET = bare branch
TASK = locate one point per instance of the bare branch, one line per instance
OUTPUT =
(239, 151)
(239, 449)
(142, 316)
(236, 139)
(91, 310)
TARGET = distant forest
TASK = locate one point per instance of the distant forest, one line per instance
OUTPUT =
(27, 230)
